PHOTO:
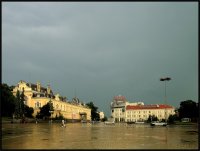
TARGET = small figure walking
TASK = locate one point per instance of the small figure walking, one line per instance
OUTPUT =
(63, 123)
(36, 121)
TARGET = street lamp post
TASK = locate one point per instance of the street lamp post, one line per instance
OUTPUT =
(165, 80)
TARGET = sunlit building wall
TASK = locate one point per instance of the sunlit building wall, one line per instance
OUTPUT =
(142, 112)
(124, 111)
(101, 115)
(37, 96)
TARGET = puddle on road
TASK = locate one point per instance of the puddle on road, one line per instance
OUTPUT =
(43, 136)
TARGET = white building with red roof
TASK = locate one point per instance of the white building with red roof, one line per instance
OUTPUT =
(123, 111)
(142, 112)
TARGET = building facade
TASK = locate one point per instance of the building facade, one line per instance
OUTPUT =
(118, 106)
(143, 112)
(101, 115)
(123, 111)
(37, 96)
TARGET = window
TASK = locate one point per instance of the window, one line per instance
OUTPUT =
(37, 105)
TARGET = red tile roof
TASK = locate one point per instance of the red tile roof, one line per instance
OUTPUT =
(140, 107)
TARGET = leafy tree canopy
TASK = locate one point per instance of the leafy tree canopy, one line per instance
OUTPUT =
(94, 115)
(104, 119)
(188, 109)
(28, 111)
(44, 111)
(7, 101)
(152, 118)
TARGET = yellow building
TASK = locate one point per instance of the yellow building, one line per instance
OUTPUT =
(37, 96)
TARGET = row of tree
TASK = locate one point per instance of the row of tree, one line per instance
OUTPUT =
(14, 106)
(189, 109)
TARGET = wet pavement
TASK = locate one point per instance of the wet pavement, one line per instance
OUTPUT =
(98, 136)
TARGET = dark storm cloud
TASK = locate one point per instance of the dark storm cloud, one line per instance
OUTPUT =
(98, 50)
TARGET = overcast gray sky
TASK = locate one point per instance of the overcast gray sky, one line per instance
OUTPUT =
(98, 50)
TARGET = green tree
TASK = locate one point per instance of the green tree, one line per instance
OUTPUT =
(44, 111)
(94, 115)
(17, 103)
(152, 118)
(8, 101)
(28, 111)
(188, 109)
(19, 110)
(60, 117)
(22, 100)
(104, 119)
(172, 119)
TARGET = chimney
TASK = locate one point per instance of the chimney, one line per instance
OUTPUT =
(38, 86)
(48, 89)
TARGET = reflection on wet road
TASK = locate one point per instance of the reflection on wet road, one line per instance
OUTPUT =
(98, 136)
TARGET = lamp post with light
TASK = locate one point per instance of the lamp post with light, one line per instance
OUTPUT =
(165, 80)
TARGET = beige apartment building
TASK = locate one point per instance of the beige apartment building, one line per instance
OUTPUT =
(142, 112)
(118, 108)
(123, 111)
(37, 96)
